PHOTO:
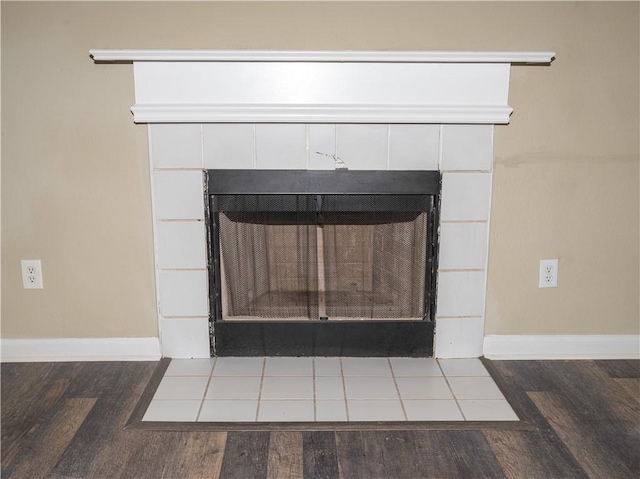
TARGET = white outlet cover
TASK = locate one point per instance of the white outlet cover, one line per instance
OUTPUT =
(548, 276)
(31, 274)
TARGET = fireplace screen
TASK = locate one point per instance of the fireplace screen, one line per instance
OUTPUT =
(322, 262)
(323, 256)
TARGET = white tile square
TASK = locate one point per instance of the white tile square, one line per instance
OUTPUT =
(414, 147)
(286, 411)
(329, 387)
(488, 410)
(463, 367)
(183, 293)
(190, 367)
(385, 410)
(215, 410)
(180, 244)
(370, 388)
(274, 387)
(463, 246)
(363, 147)
(322, 142)
(185, 337)
(404, 367)
(459, 337)
(327, 367)
(172, 410)
(235, 366)
(228, 145)
(423, 388)
(467, 147)
(432, 410)
(281, 146)
(225, 387)
(288, 367)
(474, 388)
(175, 145)
(172, 387)
(366, 367)
(178, 195)
(327, 411)
(461, 293)
(465, 196)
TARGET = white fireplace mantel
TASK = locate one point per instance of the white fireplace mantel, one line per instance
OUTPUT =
(205, 86)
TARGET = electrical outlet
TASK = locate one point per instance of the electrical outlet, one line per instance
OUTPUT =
(31, 274)
(548, 273)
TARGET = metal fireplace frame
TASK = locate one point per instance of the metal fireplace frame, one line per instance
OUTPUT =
(359, 337)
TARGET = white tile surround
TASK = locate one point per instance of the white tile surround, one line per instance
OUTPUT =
(179, 153)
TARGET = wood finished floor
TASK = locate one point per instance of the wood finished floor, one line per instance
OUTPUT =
(66, 420)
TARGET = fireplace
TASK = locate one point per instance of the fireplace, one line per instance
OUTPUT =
(322, 263)
(270, 110)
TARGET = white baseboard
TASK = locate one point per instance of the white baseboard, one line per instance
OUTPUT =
(79, 349)
(562, 347)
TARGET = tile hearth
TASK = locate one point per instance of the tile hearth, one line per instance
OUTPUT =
(334, 389)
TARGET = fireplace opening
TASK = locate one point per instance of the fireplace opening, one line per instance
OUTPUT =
(322, 262)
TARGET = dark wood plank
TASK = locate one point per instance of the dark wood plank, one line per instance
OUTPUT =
(351, 455)
(245, 455)
(199, 457)
(320, 455)
(47, 445)
(631, 386)
(628, 368)
(153, 454)
(285, 455)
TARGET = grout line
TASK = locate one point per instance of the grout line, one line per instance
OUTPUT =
(205, 390)
(344, 389)
(395, 383)
(264, 363)
(451, 389)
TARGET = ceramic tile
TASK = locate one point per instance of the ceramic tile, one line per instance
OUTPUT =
(322, 142)
(183, 293)
(372, 410)
(463, 246)
(327, 367)
(461, 293)
(331, 411)
(228, 411)
(459, 337)
(403, 367)
(423, 388)
(190, 367)
(192, 387)
(474, 388)
(175, 145)
(287, 387)
(185, 337)
(281, 146)
(288, 367)
(180, 244)
(329, 387)
(467, 147)
(432, 410)
(366, 367)
(488, 410)
(224, 387)
(178, 195)
(234, 366)
(173, 410)
(370, 388)
(286, 411)
(463, 367)
(414, 147)
(363, 147)
(228, 145)
(465, 196)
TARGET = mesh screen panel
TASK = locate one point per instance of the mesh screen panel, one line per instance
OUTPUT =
(307, 256)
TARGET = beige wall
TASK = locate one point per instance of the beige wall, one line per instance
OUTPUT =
(75, 186)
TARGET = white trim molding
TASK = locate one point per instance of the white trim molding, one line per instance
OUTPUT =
(79, 349)
(562, 347)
